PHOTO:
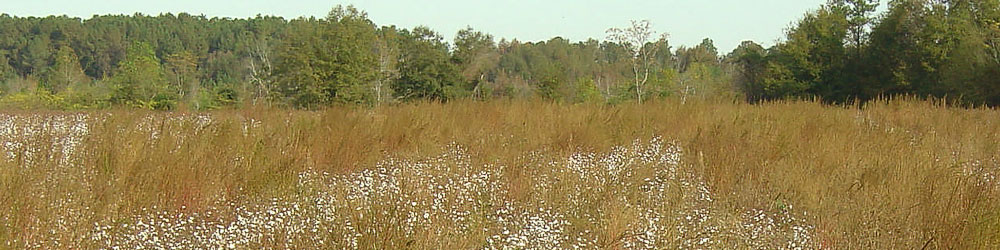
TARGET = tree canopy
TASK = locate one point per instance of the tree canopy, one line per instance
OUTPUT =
(842, 52)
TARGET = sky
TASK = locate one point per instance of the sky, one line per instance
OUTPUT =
(726, 22)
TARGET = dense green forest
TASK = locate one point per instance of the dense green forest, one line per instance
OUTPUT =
(840, 52)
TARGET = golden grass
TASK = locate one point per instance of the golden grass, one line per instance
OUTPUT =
(892, 174)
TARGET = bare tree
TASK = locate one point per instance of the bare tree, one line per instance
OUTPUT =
(637, 40)
(260, 68)
(388, 58)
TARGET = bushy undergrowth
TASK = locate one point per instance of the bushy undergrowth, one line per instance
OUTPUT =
(500, 175)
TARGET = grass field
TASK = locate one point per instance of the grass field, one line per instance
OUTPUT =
(505, 175)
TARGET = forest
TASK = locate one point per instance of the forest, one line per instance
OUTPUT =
(842, 52)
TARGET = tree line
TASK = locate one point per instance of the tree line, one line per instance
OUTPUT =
(840, 52)
(843, 52)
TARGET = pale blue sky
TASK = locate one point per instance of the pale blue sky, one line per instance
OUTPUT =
(727, 22)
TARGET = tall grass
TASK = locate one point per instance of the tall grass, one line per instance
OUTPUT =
(890, 174)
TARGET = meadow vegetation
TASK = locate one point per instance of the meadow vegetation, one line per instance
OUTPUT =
(339, 133)
(505, 174)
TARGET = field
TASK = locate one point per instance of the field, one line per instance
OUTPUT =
(505, 175)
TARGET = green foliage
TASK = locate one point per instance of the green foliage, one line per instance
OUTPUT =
(477, 57)
(664, 83)
(180, 69)
(551, 88)
(749, 61)
(6, 71)
(839, 53)
(813, 54)
(37, 99)
(704, 53)
(587, 92)
(140, 82)
(426, 71)
(780, 82)
(86, 96)
(859, 18)
(328, 61)
(36, 57)
(65, 72)
(706, 80)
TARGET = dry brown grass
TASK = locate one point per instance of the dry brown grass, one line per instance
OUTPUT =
(893, 174)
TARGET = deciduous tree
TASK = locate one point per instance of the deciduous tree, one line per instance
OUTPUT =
(139, 81)
(637, 39)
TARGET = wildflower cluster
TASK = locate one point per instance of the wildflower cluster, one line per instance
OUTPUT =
(638, 196)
